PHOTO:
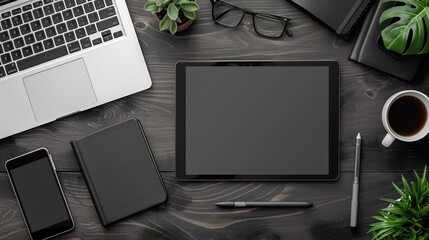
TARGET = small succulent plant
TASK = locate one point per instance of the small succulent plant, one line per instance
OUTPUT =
(407, 217)
(172, 12)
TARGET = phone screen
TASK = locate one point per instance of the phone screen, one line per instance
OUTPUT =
(39, 194)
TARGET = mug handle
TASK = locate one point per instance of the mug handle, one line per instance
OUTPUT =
(388, 140)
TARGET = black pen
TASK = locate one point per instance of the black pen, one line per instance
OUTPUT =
(236, 204)
(355, 196)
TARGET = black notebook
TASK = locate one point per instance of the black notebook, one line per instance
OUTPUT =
(120, 171)
(369, 50)
(343, 16)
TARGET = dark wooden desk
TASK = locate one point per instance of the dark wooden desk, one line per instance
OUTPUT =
(189, 212)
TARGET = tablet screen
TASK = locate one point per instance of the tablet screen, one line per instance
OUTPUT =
(264, 120)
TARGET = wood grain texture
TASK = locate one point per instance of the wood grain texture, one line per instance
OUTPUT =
(189, 212)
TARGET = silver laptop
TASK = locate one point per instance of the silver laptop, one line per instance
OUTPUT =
(59, 57)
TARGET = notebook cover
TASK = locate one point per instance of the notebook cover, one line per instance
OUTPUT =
(120, 171)
(369, 52)
(342, 16)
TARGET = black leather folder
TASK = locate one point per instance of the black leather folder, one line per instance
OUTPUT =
(369, 50)
(120, 171)
(342, 16)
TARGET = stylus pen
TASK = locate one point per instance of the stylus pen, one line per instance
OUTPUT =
(263, 204)
(355, 196)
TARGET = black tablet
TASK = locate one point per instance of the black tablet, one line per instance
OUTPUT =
(257, 120)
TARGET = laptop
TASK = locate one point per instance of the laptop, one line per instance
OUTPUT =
(60, 57)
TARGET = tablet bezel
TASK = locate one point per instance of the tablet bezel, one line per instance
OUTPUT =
(334, 122)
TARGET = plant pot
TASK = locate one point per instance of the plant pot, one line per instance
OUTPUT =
(180, 28)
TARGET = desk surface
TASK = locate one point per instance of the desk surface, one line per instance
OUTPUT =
(189, 212)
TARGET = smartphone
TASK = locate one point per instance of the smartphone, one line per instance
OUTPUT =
(39, 194)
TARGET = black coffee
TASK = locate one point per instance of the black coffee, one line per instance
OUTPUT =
(407, 116)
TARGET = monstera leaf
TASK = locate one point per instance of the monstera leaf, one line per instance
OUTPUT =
(408, 30)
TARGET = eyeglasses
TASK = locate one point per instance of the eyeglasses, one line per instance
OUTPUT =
(266, 25)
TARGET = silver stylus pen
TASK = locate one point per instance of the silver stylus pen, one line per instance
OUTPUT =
(355, 196)
(235, 204)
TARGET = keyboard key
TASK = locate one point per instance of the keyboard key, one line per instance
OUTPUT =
(70, 36)
(38, 13)
(82, 21)
(35, 25)
(107, 12)
(105, 33)
(14, 32)
(80, 33)
(37, 4)
(5, 58)
(40, 35)
(6, 24)
(16, 11)
(2, 72)
(93, 17)
(48, 44)
(78, 11)
(48, 9)
(107, 38)
(56, 18)
(59, 6)
(50, 32)
(27, 16)
(86, 43)
(70, 3)
(108, 2)
(89, 7)
(108, 23)
(1, 49)
(19, 42)
(8, 46)
(80, 1)
(29, 39)
(67, 14)
(27, 7)
(99, 4)
(47, 1)
(37, 47)
(96, 41)
(61, 28)
(46, 22)
(4, 36)
(16, 55)
(73, 47)
(6, 15)
(27, 51)
(16, 20)
(11, 68)
(72, 24)
(25, 29)
(91, 29)
(59, 40)
(42, 57)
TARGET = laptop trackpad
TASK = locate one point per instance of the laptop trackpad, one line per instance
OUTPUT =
(60, 91)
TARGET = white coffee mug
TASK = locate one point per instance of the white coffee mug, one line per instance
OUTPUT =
(391, 134)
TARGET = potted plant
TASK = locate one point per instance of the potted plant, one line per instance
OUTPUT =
(408, 28)
(408, 216)
(174, 15)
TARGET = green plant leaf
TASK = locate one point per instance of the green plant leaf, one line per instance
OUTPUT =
(150, 7)
(182, 1)
(172, 12)
(165, 23)
(159, 2)
(413, 24)
(190, 6)
(189, 15)
(173, 27)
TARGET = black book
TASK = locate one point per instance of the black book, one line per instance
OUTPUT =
(120, 171)
(342, 16)
(369, 50)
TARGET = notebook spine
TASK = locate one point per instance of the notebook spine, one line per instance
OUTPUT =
(362, 16)
(88, 181)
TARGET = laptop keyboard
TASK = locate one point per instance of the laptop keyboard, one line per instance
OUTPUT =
(45, 30)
